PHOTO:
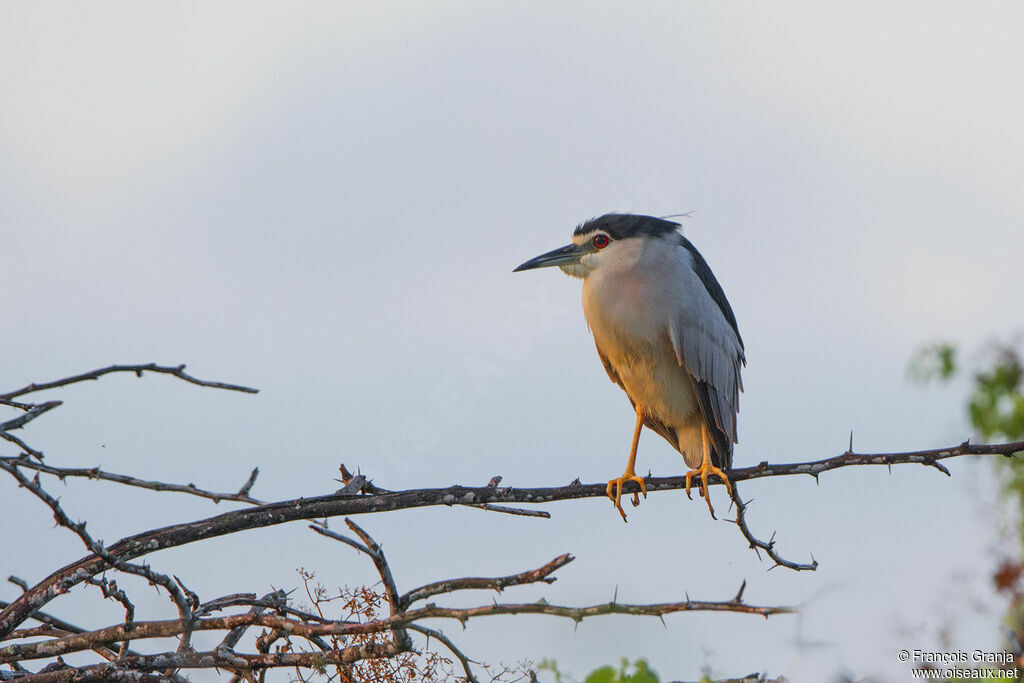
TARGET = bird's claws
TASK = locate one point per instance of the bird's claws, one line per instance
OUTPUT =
(614, 491)
(707, 498)
(703, 471)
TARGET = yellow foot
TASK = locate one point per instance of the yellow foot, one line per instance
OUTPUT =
(614, 490)
(704, 470)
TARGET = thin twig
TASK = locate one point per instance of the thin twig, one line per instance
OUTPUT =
(373, 550)
(60, 625)
(381, 563)
(490, 507)
(235, 634)
(352, 504)
(444, 640)
(127, 480)
(111, 591)
(108, 673)
(26, 417)
(176, 593)
(541, 574)
(22, 445)
(16, 404)
(138, 370)
(277, 601)
(129, 668)
(757, 544)
(171, 628)
(19, 582)
(360, 484)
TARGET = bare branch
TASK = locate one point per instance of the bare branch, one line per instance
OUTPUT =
(168, 629)
(511, 510)
(247, 486)
(498, 584)
(44, 618)
(128, 667)
(95, 674)
(177, 595)
(177, 371)
(59, 626)
(848, 459)
(19, 582)
(21, 444)
(757, 544)
(352, 504)
(362, 635)
(381, 563)
(373, 550)
(444, 640)
(31, 414)
(111, 591)
(277, 601)
(127, 480)
(235, 634)
(16, 404)
(359, 484)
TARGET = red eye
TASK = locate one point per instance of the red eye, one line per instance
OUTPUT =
(601, 241)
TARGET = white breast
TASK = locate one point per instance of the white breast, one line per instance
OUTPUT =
(628, 301)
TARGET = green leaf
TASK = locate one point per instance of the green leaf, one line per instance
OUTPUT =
(638, 672)
(933, 361)
(605, 674)
(642, 674)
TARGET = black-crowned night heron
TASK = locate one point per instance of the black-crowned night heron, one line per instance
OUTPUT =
(665, 333)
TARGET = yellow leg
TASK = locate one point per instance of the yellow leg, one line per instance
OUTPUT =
(614, 489)
(705, 469)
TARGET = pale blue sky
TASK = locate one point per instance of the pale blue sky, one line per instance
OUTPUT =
(327, 201)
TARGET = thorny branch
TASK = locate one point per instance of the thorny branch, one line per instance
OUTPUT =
(441, 638)
(368, 639)
(498, 584)
(178, 371)
(370, 548)
(390, 634)
(175, 589)
(370, 502)
(756, 544)
(295, 627)
(62, 473)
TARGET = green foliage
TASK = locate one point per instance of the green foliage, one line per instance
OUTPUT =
(996, 403)
(638, 672)
(996, 406)
(934, 361)
(996, 409)
(552, 666)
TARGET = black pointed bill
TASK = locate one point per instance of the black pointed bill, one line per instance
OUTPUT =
(570, 253)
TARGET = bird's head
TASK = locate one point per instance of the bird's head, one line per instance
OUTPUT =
(614, 238)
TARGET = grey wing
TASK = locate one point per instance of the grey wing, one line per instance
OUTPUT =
(721, 446)
(707, 343)
(652, 423)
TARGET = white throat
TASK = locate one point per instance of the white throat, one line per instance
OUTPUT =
(618, 257)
